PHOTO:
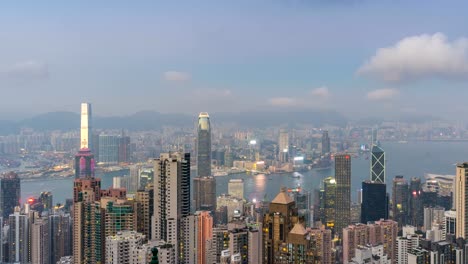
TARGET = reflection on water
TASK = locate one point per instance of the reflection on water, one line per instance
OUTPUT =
(410, 160)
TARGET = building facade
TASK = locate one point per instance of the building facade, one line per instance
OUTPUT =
(204, 145)
(204, 193)
(171, 197)
(10, 193)
(343, 192)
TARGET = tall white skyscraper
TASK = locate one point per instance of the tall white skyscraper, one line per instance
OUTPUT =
(18, 237)
(171, 197)
(461, 200)
(85, 135)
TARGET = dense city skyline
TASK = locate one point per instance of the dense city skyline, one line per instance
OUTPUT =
(328, 132)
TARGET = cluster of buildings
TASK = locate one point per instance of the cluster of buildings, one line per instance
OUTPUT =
(171, 217)
(36, 232)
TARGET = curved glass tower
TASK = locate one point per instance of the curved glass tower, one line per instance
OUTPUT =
(204, 145)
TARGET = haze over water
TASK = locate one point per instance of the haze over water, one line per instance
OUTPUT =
(413, 159)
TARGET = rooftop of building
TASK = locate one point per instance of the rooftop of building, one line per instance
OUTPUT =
(298, 229)
(282, 197)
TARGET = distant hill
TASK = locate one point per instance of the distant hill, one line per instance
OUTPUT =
(147, 120)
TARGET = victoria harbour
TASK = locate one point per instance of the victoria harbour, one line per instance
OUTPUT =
(426, 157)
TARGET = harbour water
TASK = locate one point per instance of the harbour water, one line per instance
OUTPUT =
(412, 159)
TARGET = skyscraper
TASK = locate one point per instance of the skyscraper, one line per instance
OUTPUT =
(88, 237)
(374, 201)
(277, 224)
(343, 191)
(236, 188)
(61, 236)
(144, 199)
(134, 183)
(10, 193)
(377, 164)
(204, 145)
(119, 215)
(84, 163)
(325, 143)
(461, 200)
(328, 201)
(86, 118)
(18, 237)
(283, 144)
(198, 230)
(109, 149)
(40, 241)
(204, 193)
(400, 200)
(171, 197)
(415, 206)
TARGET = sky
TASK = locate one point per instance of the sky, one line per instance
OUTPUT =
(359, 57)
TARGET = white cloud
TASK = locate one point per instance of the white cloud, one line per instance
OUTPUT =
(418, 57)
(26, 70)
(382, 94)
(176, 76)
(321, 92)
(282, 101)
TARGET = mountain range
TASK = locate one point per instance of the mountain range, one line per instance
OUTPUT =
(148, 120)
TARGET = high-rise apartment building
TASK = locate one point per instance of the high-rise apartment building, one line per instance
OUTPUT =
(40, 241)
(377, 164)
(325, 143)
(217, 244)
(400, 200)
(382, 232)
(405, 245)
(10, 193)
(60, 228)
(88, 237)
(120, 248)
(171, 197)
(18, 237)
(307, 246)
(328, 203)
(343, 191)
(374, 201)
(144, 212)
(197, 232)
(204, 193)
(236, 188)
(461, 200)
(255, 245)
(86, 127)
(119, 215)
(354, 235)
(204, 145)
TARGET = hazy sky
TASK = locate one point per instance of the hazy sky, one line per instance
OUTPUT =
(358, 57)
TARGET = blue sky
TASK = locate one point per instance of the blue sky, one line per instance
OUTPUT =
(192, 56)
